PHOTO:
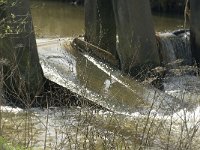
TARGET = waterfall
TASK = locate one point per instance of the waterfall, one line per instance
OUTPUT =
(167, 48)
(174, 46)
(175, 52)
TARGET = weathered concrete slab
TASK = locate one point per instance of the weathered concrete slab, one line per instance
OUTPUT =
(97, 82)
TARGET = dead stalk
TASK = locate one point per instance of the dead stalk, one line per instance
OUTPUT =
(46, 126)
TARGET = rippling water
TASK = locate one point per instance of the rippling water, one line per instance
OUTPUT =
(84, 128)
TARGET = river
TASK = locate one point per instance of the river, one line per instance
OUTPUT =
(88, 128)
(57, 19)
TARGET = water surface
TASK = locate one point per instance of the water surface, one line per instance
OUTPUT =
(57, 19)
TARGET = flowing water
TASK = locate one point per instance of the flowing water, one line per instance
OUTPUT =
(140, 114)
(173, 47)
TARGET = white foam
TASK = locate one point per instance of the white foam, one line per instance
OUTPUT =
(9, 109)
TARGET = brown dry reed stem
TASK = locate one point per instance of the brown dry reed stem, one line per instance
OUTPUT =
(46, 125)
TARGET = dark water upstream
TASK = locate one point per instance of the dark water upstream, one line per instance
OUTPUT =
(56, 19)
(141, 114)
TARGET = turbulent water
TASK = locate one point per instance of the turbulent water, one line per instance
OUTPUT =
(139, 114)
(83, 128)
(174, 47)
(180, 80)
(128, 100)
(132, 105)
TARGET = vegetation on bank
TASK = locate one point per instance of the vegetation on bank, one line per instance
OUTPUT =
(5, 145)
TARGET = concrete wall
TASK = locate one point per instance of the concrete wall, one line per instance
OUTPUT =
(195, 29)
(24, 73)
(137, 42)
(100, 28)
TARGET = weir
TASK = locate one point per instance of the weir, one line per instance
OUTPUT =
(98, 82)
(103, 85)
(174, 46)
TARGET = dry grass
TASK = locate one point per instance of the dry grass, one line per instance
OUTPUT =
(65, 123)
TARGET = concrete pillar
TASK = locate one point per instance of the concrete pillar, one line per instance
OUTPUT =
(137, 41)
(24, 74)
(100, 27)
(195, 29)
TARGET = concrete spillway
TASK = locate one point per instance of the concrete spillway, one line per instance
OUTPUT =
(96, 81)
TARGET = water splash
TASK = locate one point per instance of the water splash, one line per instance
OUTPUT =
(174, 46)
